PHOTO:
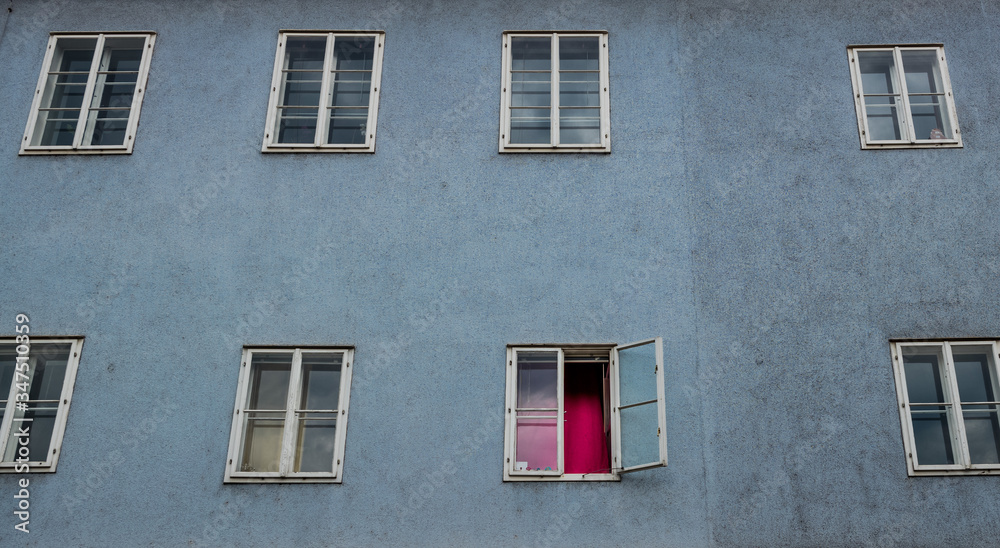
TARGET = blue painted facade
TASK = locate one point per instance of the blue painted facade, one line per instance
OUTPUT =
(736, 217)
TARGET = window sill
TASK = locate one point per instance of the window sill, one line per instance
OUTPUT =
(287, 479)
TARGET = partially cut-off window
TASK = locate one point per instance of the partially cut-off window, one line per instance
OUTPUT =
(903, 97)
(36, 387)
(584, 412)
(949, 397)
(324, 97)
(555, 92)
(89, 94)
(291, 415)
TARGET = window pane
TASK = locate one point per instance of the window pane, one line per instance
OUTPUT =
(64, 89)
(922, 369)
(354, 52)
(640, 444)
(579, 53)
(348, 126)
(531, 89)
(40, 420)
(537, 443)
(929, 118)
(108, 127)
(531, 53)
(579, 89)
(320, 381)
(932, 435)
(7, 362)
(269, 380)
(923, 73)
(297, 125)
(637, 375)
(882, 114)
(537, 378)
(530, 126)
(305, 53)
(983, 431)
(580, 126)
(301, 89)
(878, 72)
(316, 439)
(262, 444)
(49, 371)
(974, 373)
(122, 54)
(351, 89)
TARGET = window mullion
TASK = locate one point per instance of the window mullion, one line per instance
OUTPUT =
(88, 94)
(554, 101)
(605, 76)
(325, 98)
(904, 95)
(961, 441)
(291, 422)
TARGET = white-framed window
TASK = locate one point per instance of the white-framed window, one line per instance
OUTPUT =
(89, 93)
(290, 421)
(555, 92)
(903, 97)
(324, 94)
(584, 411)
(38, 420)
(949, 399)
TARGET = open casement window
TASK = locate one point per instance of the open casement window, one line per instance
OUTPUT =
(903, 97)
(290, 421)
(89, 93)
(47, 377)
(555, 92)
(584, 412)
(324, 95)
(949, 397)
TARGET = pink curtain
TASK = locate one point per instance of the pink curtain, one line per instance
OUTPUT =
(585, 441)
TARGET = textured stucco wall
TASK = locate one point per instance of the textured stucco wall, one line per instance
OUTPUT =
(736, 217)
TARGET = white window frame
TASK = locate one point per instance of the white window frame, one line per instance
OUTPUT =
(505, 96)
(510, 422)
(909, 140)
(960, 446)
(82, 128)
(62, 414)
(285, 473)
(322, 123)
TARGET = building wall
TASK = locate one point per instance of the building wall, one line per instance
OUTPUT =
(736, 217)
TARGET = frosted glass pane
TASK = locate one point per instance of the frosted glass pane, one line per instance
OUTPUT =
(640, 444)
(315, 445)
(932, 435)
(922, 369)
(537, 378)
(637, 374)
(321, 381)
(537, 444)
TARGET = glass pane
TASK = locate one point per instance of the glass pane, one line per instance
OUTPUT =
(7, 363)
(932, 434)
(530, 126)
(301, 89)
(40, 421)
(580, 126)
(983, 431)
(305, 53)
(640, 444)
(878, 72)
(579, 53)
(531, 53)
(579, 89)
(530, 89)
(321, 381)
(351, 89)
(929, 118)
(297, 125)
(348, 126)
(536, 446)
(108, 126)
(269, 380)
(73, 55)
(974, 373)
(883, 118)
(922, 370)
(64, 90)
(537, 379)
(354, 53)
(49, 371)
(315, 444)
(923, 73)
(637, 375)
(262, 444)
(122, 54)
